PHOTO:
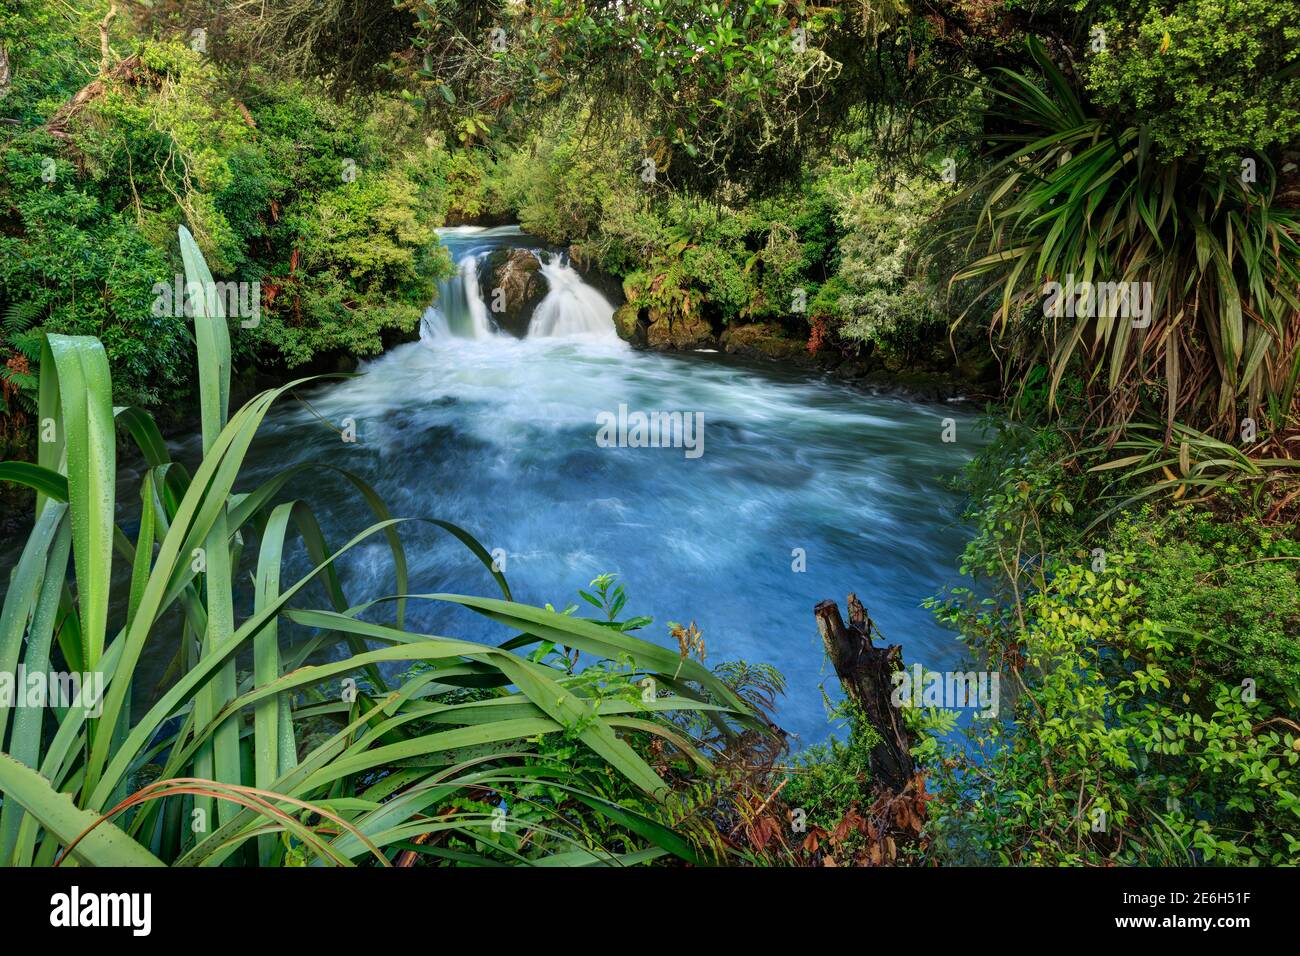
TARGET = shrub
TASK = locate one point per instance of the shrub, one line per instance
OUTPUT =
(261, 174)
(1154, 683)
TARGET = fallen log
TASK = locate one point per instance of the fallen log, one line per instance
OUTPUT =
(866, 673)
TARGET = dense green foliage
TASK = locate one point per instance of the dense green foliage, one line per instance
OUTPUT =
(1187, 274)
(326, 210)
(836, 248)
(1201, 76)
(879, 180)
(828, 780)
(1157, 668)
(726, 84)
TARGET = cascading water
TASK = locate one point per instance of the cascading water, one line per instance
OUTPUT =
(460, 309)
(570, 307)
(806, 489)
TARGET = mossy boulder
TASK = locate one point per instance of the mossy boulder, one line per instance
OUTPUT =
(518, 276)
(680, 332)
(630, 325)
(763, 340)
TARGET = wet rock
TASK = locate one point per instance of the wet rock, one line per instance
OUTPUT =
(513, 287)
(630, 324)
(851, 371)
(763, 340)
(918, 385)
(682, 332)
(607, 284)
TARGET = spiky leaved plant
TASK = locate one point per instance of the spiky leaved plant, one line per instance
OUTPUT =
(219, 768)
(1069, 192)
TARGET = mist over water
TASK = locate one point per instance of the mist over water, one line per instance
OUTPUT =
(498, 434)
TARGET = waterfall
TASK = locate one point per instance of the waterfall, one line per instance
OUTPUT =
(460, 310)
(501, 437)
(571, 307)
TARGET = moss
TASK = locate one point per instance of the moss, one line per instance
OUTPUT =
(762, 339)
(681, 333)
(627, 320)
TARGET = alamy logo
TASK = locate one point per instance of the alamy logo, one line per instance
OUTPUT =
(950, 690)
(1103, 300)
(133, 910)
(651, 430)
(238, 300)
(23, 688)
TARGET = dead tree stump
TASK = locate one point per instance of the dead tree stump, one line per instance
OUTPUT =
(865, 671)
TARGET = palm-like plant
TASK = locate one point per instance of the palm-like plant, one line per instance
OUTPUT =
(1189, 460)
(221, 767)
(1068, 193)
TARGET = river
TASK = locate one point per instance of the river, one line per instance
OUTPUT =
(793, 489)
(803, 489)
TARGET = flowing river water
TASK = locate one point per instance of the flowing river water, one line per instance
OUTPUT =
(805, 489)
(795, 488)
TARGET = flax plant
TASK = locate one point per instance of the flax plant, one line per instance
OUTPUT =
(250, 753)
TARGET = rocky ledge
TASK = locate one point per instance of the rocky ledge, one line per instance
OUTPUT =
(648, 328)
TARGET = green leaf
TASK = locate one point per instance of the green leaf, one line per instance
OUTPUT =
(74, 371)
(106, 845)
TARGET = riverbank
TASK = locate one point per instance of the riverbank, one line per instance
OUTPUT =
(855, 365)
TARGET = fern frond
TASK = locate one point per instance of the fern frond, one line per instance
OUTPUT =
(20, 316)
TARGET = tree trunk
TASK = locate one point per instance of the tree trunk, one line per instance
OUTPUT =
(105, 50)
(865, 671)
(4, 71)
